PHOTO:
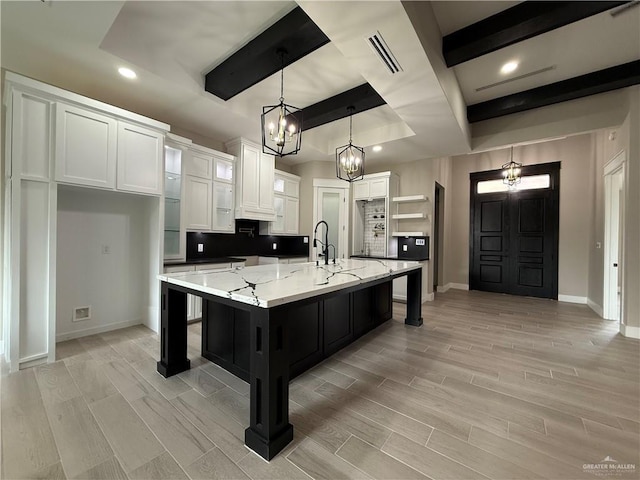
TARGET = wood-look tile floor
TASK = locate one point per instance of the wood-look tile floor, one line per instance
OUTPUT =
(491, 386)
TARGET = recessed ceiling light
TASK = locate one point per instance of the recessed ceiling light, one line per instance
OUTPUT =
(509, 67)
(377, 148)
(127, 72)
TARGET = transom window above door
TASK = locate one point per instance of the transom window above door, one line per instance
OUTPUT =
(528, 182)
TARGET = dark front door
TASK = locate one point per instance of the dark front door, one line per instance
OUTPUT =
(514, 235)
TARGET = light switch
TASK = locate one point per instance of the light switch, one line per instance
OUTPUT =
(275, 246)
(200, 247)
(305, 240)
(404, 248)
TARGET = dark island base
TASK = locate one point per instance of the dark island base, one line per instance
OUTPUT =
(269, 346)
(316, 329)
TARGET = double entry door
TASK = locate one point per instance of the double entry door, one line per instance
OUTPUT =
(514, 233)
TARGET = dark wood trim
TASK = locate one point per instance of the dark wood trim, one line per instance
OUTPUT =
(362, 98)
(259, 59)
(612, 78)
(525, 20)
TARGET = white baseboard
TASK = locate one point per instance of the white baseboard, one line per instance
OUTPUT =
(456, 286)
(428, 297)
(631, 332)
(93, 330)
(572, 299)
(443, 288)
(595, 307)
(33, 360)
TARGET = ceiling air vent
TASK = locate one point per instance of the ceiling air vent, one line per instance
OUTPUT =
(380, 48)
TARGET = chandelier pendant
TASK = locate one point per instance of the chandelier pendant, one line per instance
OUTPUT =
(281, 124)
(511, 172)
(350, 157)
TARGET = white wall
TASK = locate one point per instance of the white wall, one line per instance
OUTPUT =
(114, 284)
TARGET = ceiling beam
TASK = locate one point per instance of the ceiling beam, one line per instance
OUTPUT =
(259, 59)
(525, 20)
(362, 98)
(612, 78)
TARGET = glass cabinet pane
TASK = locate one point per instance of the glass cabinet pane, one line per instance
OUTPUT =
(223, 212)
(278, 203)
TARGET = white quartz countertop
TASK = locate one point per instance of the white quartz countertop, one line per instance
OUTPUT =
(267, 286)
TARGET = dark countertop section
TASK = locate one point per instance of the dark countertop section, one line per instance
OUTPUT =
(200, 261)
(393, 257)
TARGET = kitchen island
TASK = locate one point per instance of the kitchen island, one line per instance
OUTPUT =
(269, 323)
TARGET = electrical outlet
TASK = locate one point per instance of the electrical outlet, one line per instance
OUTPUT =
(404, 248)
(200, 247)
(305, 240)
(420, 241)
(598, 245)
(275, 246)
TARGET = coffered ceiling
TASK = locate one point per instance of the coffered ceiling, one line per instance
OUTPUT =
(172, 45)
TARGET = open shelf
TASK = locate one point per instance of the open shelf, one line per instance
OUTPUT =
(409, 198)
(402, 216)
(408, 234)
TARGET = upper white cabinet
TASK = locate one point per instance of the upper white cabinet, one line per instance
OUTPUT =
(140, 166)
(86, 144)
(373, 187)
(174, 210)
(286, 189)
(97, 150)
(254, 181)
(209, 190)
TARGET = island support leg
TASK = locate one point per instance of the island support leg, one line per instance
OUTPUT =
(269, 428)
(414, 298)
(173, 332)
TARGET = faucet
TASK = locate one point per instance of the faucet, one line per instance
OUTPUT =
(325, 245)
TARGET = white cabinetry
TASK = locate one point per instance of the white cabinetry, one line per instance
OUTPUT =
(140, 167)
(371, 222)
(254, 181)
(209, 191)
(174, 191)
(96, 150)
(286, 190)
(86, 144)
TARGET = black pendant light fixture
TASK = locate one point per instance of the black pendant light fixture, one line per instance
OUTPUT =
(281, 123)
(511, 172)
(350, 158)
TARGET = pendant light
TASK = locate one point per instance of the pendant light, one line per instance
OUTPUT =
(350, 158)
(511, 172)
(281, 123)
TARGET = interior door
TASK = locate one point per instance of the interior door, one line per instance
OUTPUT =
(331, 207)
(514, 233)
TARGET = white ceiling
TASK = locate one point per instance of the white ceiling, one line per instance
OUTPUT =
(171, 45)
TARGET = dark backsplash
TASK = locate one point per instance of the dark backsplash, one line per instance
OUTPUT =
(227, 245)
(414, 252)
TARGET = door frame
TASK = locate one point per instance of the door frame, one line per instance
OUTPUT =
(333, 183)
(438, 235)
(610, 308)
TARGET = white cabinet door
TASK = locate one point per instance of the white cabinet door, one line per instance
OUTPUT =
(198, 203)
(292, 188)
(223, 219)
(291, 215)
(86, 144)
(361, 189)
(198, 164)
(222, 170)
(278, 225)
(140, 167)
(250, 176)
(267, 167)
(378, 187)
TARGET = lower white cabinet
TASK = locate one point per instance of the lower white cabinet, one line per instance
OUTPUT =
(273, 260)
